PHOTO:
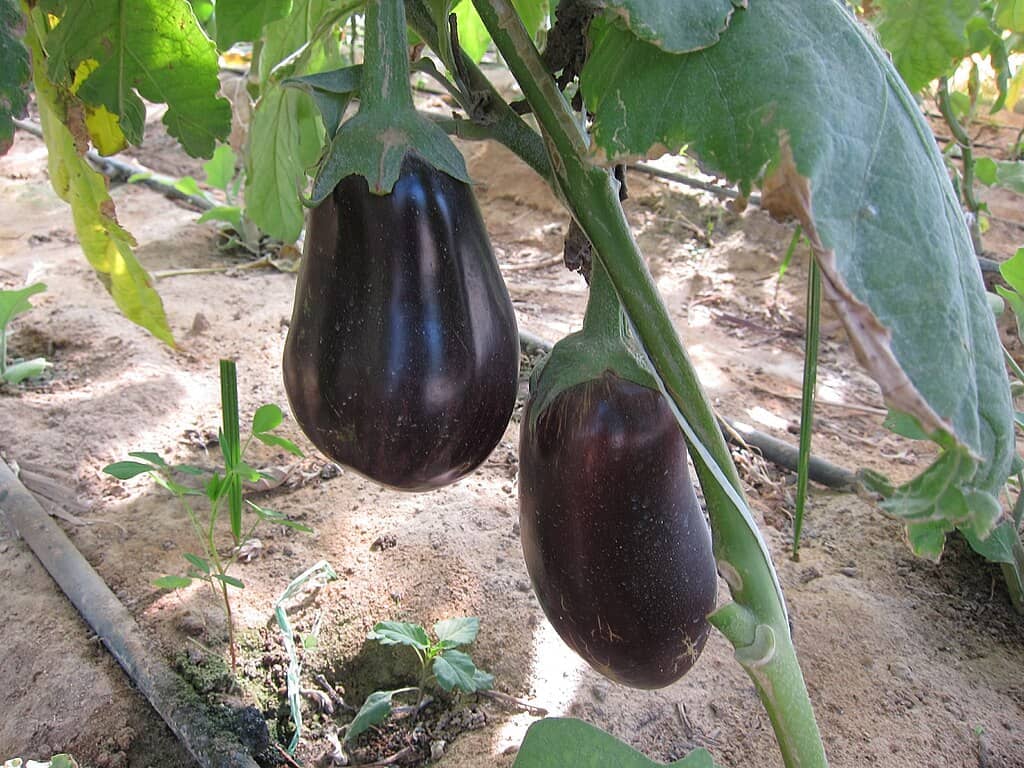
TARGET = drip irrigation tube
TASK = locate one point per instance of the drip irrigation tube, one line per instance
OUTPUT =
(169, 695)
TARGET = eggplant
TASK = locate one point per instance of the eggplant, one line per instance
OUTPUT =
(613, 535)
(402, 356)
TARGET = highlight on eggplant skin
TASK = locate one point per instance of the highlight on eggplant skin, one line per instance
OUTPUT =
(402, 357)
(614, 537)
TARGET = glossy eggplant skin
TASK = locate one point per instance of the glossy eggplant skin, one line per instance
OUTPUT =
(614, 538)
(402, 357)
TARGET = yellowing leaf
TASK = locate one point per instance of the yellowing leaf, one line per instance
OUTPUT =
(107, 246)
(104, 130)
(103, 126)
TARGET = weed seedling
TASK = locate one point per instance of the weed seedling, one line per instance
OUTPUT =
(439, 662)
(13, 303)
(220, 488)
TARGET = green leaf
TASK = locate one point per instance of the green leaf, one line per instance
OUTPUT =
(243, 20)
(152, 458)
(284, 140)
(266, 418)
(125, 470)
(14, 73)
(188, 186)
(904, 424)
(482, 681)
(557, 742)
(675, 27)
(150, 49)
(1012, 271)
(280, 442)
(473, 35)
(1016, 302)
(848, 166)
(331, 92)
(176, 488)
(925, 37)
(455, 669)
(278, 518)
(400, 633)
(1010, 15)
(941, 498)
(220, 169)
(231, 581)
(172, 582)
(16, 301)
(25, 369)
(375, 710)
(107, 246)
(230, 214)
(459, 631)
(202, 564)
(1001, 173)
(533, 13)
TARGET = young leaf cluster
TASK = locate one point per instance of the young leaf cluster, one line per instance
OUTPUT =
(440, 662)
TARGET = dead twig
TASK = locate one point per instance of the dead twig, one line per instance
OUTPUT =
(403, 755)
(336, 697)
(286, 757)
(504, 698)
(526, 266)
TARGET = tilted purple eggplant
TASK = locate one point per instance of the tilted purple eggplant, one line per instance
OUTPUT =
(614, 537)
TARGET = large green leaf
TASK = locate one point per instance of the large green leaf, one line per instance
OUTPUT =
(13, 73)
(796, 95)
(153, 49)
(106, 245)
(239, 20)
(556, 742)
(925, 37)
(284, 139)
(285, 135)
(673, 26)
(1010, 15)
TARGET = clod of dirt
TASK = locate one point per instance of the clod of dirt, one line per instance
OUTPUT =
(206, 672)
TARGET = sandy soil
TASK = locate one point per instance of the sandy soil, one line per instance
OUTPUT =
(908, 663)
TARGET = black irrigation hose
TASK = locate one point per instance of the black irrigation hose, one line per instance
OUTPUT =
(772, 449)
(169, 695)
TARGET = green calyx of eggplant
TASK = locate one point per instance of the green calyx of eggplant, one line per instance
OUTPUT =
(375, 142)
(605, 343)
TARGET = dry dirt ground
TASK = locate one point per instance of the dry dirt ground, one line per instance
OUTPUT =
(907, 663)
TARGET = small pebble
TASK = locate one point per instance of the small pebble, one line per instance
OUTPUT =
(849, 571)
(437, 749)
(522, 585)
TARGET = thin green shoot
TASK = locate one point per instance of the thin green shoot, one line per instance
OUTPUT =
(218, 487)
(807, 404)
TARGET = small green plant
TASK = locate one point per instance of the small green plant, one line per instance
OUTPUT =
(12, 304)
(220, 174)
(57, 761)
(439, 662)
(220, 488)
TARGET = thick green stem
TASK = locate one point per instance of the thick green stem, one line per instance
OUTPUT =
(756, 623)
(807, 404)
(493, 117)
(962, 138)
(386, 54)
